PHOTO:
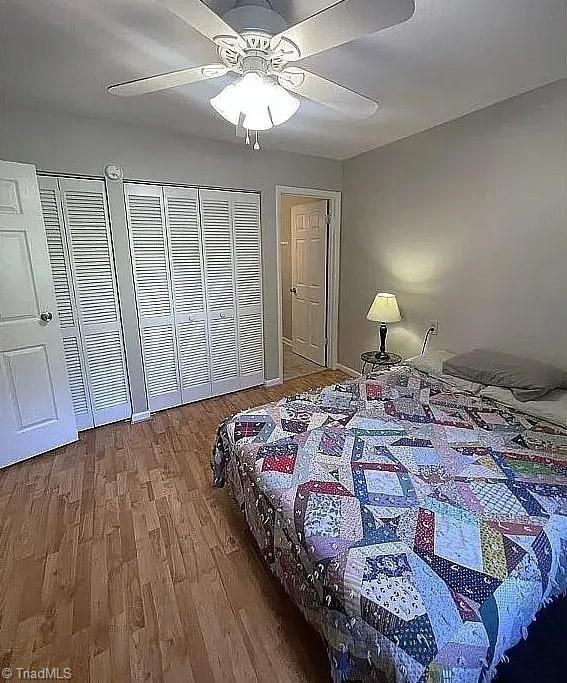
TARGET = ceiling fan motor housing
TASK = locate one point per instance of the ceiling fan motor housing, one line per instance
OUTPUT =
(255, 15)
(255, 63)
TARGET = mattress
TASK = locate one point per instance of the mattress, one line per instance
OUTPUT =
(418, 527)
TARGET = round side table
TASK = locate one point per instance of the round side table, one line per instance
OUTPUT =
(372, 359)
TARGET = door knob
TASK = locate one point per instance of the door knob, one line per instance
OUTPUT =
(46, 316)
(293, 290)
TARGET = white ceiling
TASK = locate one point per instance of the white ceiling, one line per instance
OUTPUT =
(451, 58)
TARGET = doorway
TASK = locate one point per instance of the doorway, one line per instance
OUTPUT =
(307, 238)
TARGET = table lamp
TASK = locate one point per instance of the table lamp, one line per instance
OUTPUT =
(384, 310)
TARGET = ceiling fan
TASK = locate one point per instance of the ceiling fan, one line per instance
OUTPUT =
(255, 41)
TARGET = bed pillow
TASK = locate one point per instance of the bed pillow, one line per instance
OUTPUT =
(431, 363)
(552, 408)
(528, 379)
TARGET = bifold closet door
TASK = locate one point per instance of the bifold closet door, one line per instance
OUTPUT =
(233, 275)
(219, 261)
(248, 277)
(64, 295)
(80, 249)
(197, 273)
(188, 287)
(154, 296)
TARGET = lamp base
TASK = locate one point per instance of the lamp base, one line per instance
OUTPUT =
(382, 355)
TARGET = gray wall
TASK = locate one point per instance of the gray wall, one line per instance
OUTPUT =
(70, 144)
(467, 224)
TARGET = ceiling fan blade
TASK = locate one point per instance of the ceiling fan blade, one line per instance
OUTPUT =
(329, 94)
(169, 80)
(345, 21)
(200, 17)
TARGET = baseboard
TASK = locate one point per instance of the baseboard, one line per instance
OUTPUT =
(286, 341)
(273, 382)
(347, 370)
(141, 417)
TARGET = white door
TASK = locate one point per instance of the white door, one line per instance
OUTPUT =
(36, 412)
(198, 276)
(248, 270)
(188, 287)
(309, 280)
(80, 250)
(65, 297)
(150, 258)
(216, 226)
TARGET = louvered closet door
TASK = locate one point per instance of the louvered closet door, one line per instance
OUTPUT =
(68, 314)
(92, 265)
(150, 257)
(248, 271)
(216, 226)
(188, 286)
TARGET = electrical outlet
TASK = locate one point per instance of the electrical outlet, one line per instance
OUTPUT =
(434, 326)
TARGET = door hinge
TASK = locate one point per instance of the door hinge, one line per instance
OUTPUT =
(328, 219)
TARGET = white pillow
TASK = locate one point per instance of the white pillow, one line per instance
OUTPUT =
(552, 408)
(431, 362)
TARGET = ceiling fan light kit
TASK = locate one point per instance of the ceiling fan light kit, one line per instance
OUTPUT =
(255, 42)
(255, 102)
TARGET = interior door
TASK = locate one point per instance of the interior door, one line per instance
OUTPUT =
(309, 280)
(188, 287)
(94, 279)
(216, 226)
(36, 411)
(66, 302)
(150, 258)
(248, 270)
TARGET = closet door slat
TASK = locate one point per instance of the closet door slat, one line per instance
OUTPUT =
(217, 243)
(75, 370)
(65, 298)
(150, 259)
(216, 227)
(248, 272)
(186, 263)
(57, 252)
(92, 264)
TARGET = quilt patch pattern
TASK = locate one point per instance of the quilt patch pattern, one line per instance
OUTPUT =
(418, 527)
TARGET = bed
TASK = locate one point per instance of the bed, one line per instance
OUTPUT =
(418, 526)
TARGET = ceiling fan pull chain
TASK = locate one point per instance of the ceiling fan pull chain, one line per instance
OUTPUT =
(247, 138)
(256, 144)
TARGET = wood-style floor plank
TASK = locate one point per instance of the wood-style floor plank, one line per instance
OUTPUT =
(119, 560)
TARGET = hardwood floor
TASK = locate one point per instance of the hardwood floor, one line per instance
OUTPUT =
(295, 366)
(119, 561)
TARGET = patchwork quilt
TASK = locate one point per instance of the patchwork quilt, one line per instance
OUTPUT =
(418, 527)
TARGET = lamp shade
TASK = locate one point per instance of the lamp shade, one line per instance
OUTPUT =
(384, 309)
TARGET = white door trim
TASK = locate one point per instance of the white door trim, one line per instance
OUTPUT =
(334, 248)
